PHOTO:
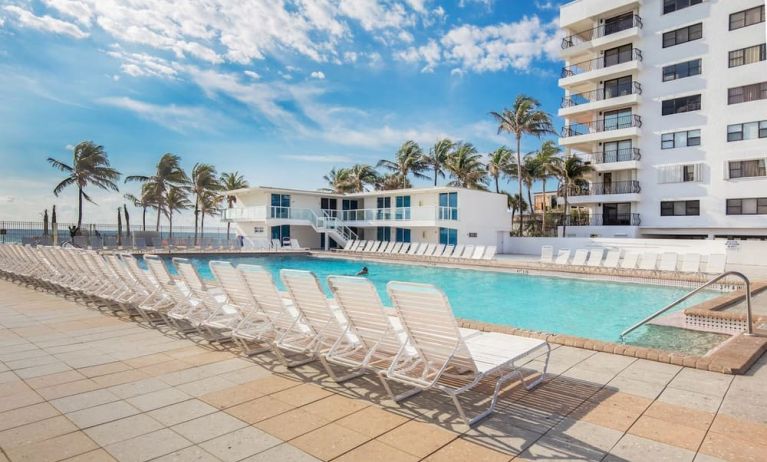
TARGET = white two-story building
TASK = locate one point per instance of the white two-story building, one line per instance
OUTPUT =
(324, 220)
(667, 100)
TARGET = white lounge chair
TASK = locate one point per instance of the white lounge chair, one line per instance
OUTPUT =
(458, 251)
(478, 252)
(547, 254)
(690, 263)
(595, 257)
(438, 251)
(445, 360)
(563, 256)
(716, 263)
(276, 244)
(349, 245)
(612, 258)
(648, 261)
(490, 252)
(449, 249)
(425, 249)
(468, 251)
(414, 247)
(630, 260)
(206, 304)
(396, 249)
(668, 261)
(294, 244)
(579, 259)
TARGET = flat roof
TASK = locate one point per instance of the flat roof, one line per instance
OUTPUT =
(315, 192)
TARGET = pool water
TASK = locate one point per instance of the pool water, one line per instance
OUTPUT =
(592, 309)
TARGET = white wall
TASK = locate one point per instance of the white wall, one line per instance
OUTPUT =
(532, 245)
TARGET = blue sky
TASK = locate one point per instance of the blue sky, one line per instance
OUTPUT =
(280, 90)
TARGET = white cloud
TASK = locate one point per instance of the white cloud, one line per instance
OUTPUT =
(45, 23)
(7, 199)
(75, 9)
(177, 118)
(252, 74)
(319, 158)
(319, 75)
(374, 15)
(142, 64)
(430, 54)
(546, 5)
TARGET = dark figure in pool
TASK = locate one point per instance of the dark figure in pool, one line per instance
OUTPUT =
(363, 271)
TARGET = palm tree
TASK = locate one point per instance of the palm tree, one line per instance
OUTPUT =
(409, 159)
(338, 180)
(548, 160)
(210, 203)
(145, 201)
(90, 166)
(466, 168)
(168, 174)
(204, 179)
(571, 172)
(515, 202)
(524, 118)
(391, 181)
(232, 182)
(360, 175)
(176, 200)
(498, 164)
(437, 158)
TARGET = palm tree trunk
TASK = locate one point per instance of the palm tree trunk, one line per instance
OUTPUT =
(159, 212)
(202, 225)
(436, 174)
(530, 201)
(79, 207)
(228, 225)
(497, 188)
(564, 223)
(543, 223)
(519, 182)
(196, 215)
(143, 220)
(170, 226)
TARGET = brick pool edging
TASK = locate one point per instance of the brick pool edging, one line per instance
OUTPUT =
(734, 356)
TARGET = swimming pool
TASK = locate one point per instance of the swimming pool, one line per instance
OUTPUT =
(592, 309)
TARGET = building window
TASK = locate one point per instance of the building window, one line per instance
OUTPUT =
(682, 70)
(751, 206)
(669, 6)
(683, 35)
(680, 105)
(680, 139)
(748, 55)
(746, 168)
(747, 131)
(679, 208)
(448, 236)
(448, 206)
(618, 55)
(747, 93)
(680, 173)
(383, 233)
(402, 234)
(747, 17)
(280, 206)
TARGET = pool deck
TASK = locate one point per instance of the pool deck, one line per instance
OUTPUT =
(78, 384)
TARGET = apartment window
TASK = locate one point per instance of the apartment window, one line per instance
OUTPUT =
(750, 206)
(682, 70)
(448, 206)
(622, 54)
(680, 173)
(683, 35)
(748, 55)
(680, 105)
(747, 17)
(617, 151)
(680, 139)
(280, 206)
(746, 168)
(448, 236)
(669, 6)
(615, 120)
(679, 208)
(747, 93)
(747, 131)
(617, 87)
(383, 233)
(402, 234)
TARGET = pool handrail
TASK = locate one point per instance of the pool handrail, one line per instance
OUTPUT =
(749, 323)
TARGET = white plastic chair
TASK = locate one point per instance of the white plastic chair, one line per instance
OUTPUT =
(547, 254)
(648, 261)
(579, 259)
(595, 257)
(668, 261)
(563, 256)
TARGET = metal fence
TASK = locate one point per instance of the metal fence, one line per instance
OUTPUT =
(32, 232)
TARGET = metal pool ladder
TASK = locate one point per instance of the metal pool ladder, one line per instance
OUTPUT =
(749, 326)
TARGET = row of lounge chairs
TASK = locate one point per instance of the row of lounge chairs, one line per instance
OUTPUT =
(143, 244)
(422, 250)
(635, 260)
(418, 345)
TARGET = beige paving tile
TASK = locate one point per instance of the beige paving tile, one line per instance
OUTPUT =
(274, 383)
(740, 429)
(25, 415)
(58, 448)
(259, 409)
(233, 396)
(204, 386)
(706, 382)
(335, 406)
(282, 453)
(246, 374)
(158, 399)
(84, 400)
(690, 399)
(418, 438)
(190, 454)
(632, 447)
(612, 409)
(680, 415)
(552, 448)
(104, 369)
(208, 427)
(460, 449)
(667, 432)
(67, 389)
(99, 455)
(302, 394)
(139, 387)
(181, 412)
(291, 424)
(148, 446)
(584, 434)
(147, 360)
(36, 432)
(103, 413)
(375, 451)
(13, 388)
(330, 441)
(18, 400)
(372, 421)
(119, 378)
(122, 429)
(730, 449)
(240, 444)
(54, 379)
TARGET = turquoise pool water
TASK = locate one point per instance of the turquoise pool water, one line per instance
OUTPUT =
(592, 309)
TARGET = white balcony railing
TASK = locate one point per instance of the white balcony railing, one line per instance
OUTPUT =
(323, 218)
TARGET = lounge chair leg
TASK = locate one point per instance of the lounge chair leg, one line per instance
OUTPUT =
(396, 398)
(336, 378)
(290, 364)
(540, 379)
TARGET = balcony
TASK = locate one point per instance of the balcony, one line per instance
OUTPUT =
(414, 216)
(601, 62)
(617, 155)
(601, 94)
(626, 125)
(399, 214)
(601, 189)
(602, 30)
(610, 219)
